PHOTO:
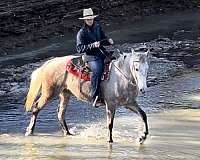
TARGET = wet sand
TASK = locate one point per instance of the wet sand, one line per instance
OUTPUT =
(174, 134)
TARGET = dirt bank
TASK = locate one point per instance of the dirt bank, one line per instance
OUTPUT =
(33, 23)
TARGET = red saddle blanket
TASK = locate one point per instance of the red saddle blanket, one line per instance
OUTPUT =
(83, 72)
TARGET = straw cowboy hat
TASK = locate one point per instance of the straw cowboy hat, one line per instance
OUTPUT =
(88, 14)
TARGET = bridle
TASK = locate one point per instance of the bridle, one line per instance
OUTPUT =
(123, 74)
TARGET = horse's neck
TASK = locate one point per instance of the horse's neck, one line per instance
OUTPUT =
(122, 69)
(125, 66)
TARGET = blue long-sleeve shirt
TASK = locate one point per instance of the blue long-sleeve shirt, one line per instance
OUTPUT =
(86, 38)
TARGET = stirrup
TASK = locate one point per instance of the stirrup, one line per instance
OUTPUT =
(97, 103)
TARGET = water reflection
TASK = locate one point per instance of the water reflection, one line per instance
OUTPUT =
(168, 139)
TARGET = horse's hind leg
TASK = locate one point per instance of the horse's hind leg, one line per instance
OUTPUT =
(40, 103)
(31, 126)
(143, 116)
(64, 99)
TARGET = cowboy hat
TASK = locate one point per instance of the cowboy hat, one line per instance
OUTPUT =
(88, 14)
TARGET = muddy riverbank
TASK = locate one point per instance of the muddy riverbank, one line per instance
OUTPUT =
(33, 24)
(180, 27)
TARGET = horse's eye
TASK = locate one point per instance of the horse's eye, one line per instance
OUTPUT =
(137, 69)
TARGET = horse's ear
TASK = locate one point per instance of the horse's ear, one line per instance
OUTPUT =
(147, 52)
(123, 56)
(133, 51)
(119, 51)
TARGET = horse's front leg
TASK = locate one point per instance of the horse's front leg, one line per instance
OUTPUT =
(110, 119)
(135, 108)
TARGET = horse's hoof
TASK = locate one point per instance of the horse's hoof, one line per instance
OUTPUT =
(142, 139)
(70, 134)
(110, 141)
(67, 134)
(28, 134)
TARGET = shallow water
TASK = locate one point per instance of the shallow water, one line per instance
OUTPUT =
(173, 135)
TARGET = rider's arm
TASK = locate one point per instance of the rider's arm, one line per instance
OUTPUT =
(80, 43)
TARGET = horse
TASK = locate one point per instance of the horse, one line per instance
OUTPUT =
(128, 76)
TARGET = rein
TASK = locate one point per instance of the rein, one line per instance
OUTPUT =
(130, 81)
(125, 76)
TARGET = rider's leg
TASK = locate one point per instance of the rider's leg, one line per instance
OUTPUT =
(97, 70)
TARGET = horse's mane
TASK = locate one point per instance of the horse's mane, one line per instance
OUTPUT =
(140, 56)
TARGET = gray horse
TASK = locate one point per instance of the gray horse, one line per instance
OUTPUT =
(128, 76)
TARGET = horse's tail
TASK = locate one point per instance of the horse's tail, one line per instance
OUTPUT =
(35, 85)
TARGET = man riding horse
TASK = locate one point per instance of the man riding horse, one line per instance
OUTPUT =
(90, 41)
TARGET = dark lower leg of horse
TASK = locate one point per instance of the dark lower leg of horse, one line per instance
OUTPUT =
(38, 106)
(110, 120)
(139, 111)
(144, 117)
(30, 128)
(64, 98)
(143, 137)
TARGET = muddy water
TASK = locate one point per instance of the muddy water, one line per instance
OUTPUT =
(173, 135)
(172, 104)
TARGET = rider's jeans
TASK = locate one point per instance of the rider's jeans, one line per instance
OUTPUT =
(97, 70)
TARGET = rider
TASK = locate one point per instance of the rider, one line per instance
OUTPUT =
(90, 41)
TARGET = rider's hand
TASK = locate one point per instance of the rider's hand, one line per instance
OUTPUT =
(110, 40)
(97, 44)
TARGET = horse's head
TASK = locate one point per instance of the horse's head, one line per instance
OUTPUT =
(139, 67)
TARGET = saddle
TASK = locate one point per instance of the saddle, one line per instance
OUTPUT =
(79, 68)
